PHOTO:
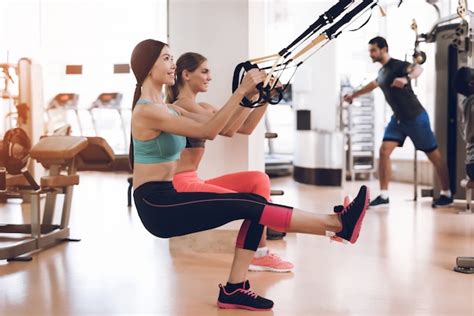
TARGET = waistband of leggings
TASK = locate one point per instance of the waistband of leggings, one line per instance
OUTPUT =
(153, 187)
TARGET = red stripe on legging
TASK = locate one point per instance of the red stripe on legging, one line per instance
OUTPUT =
(242, 234)
(201, 201)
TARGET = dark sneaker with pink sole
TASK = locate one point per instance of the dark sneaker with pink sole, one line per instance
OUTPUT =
(242, 298)
(352, 216)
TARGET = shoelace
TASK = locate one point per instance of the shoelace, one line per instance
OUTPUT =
(248, 292)
(344, 211)
(223, 287)
(272, 255)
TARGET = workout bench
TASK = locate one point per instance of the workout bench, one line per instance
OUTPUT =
(56, 153)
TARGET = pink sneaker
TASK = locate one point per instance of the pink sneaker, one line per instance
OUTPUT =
(270, 262)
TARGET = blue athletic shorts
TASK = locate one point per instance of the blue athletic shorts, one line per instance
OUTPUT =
(418, 129)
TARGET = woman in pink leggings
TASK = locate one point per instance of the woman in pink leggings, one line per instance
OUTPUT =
(193, 76)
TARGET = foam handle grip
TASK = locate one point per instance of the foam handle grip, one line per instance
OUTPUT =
(30, 179)
(3, 179)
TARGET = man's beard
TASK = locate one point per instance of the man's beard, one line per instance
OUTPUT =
(376, 60)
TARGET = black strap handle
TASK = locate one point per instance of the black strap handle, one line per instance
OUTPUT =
(264, 93)
(237, 79)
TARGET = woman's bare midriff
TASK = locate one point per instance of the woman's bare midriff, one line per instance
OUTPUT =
(163, 171)
(190, 159)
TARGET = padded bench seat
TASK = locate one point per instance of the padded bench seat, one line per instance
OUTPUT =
(16, 181)
(59, 181)
(53, 147)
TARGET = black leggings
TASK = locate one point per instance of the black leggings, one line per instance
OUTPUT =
(166, 213)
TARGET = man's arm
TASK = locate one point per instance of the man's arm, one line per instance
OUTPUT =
(412, 72)
(365, 89)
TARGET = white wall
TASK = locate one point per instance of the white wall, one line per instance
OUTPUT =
(316, 85)
(93, 33)
(316, 82)
(219, 30)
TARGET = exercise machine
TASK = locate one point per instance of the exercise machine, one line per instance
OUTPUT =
(453, 38)
(57, 111)
(109, 101)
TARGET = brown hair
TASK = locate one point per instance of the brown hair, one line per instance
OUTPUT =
(143, 58)
(188, 61)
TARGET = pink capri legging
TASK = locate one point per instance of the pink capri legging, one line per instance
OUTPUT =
(255, 182)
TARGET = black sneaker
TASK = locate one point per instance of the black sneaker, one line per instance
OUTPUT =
(442, 201)
(379, 201)
(353, 215)
(242, 298)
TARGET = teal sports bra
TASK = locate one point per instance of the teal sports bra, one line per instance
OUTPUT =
(164, 148)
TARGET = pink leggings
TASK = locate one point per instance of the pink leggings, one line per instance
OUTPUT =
(255, 182)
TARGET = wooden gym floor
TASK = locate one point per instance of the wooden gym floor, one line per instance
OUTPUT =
(402, 264)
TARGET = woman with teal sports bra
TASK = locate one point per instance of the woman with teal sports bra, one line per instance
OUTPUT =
(163, 148)
(158, 137)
